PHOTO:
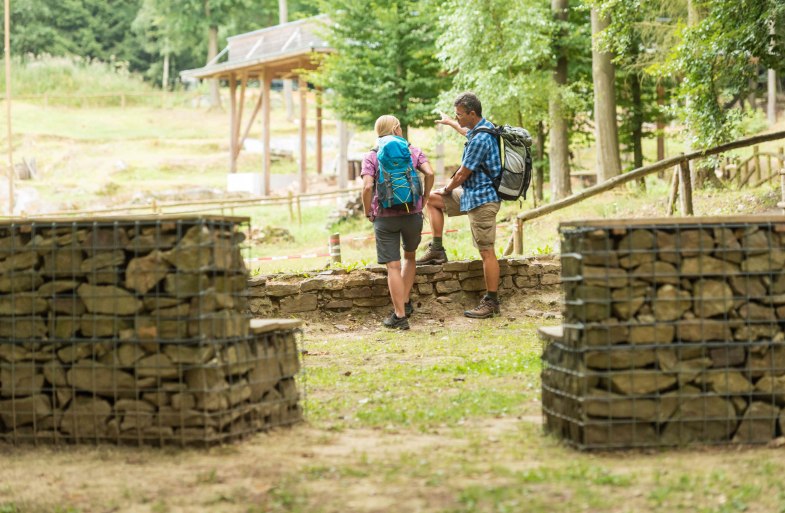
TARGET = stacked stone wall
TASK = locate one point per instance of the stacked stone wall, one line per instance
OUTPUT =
(136, 330)
(672, 334)
(459, 282)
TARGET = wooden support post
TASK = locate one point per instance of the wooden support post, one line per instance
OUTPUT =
(509, 247)
(240, 108)
(299, 212)
(302, 86)
(266, 81)
(660, 124)
(233, 151)
(673, 192)
(517, 234)
(290, 195)
(782, 190)
(249, 126)
(781, 152)
(343, 157)
(319, 154)
(686, 188)
(756, 154)
(769, 171)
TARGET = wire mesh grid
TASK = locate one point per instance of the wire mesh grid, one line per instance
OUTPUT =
(673, 334)
(136, 331)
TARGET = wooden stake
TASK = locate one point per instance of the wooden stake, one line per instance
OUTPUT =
(233, 150)
(266, 81)
(319, 100)
(673, 193)
(686, 188)
(303, 88)
(517, 233)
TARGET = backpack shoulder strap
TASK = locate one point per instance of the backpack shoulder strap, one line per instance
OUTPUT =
(496, 132)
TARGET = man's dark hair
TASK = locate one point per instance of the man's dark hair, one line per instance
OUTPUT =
(469, 102)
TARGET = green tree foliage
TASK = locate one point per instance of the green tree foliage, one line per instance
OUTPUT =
(384, 62)
(500, 50)
(639, 38)
(136, 33)
(719, 56)
(94, 29)
(713, 61)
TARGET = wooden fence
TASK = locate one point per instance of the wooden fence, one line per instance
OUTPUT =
(681, 185)
(224, 206)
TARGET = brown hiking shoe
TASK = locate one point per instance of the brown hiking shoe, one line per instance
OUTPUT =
(433, 256)
(487, 308)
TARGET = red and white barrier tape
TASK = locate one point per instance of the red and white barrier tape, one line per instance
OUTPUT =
(319, 255)
(294, 257)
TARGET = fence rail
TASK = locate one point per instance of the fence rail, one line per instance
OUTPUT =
(681, 184)
(199, 206)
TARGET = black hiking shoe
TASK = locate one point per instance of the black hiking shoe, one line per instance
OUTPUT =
(396, 323)
(408, 309)
(487, 308)
(433, 256)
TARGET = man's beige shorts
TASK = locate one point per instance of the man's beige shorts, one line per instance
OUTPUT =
(482, 220)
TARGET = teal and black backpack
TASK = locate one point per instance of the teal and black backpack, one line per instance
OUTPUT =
(397, 184)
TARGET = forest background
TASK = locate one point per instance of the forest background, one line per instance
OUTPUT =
(609, 73)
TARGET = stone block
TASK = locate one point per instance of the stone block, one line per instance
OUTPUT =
(458, 266)
(282, 289)
(473, 284)
(448, 287)
(425, 289)
(299, 303)
(357, 292)
(372, 301)
(339, 304)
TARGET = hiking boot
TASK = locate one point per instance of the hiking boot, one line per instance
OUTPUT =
(487, 308)
(408, 309)
(433, 256)
(396, 323)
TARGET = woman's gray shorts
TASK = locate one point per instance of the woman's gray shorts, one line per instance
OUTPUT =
(394, 232)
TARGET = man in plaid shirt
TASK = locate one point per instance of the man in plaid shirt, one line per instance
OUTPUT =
(470, 192)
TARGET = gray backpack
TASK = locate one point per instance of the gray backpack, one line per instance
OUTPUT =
(514, 150)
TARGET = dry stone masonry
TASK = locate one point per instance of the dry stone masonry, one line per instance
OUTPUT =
(136, 330)
(459, 282)
(673, 334)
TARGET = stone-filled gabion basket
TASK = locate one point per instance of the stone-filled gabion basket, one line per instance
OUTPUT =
(672, 334)
(136, 330)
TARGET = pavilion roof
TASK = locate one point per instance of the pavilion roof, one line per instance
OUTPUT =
(280, 49)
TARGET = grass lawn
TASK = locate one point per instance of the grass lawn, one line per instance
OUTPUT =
(445, 418)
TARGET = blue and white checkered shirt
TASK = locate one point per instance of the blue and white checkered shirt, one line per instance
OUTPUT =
(481, 152)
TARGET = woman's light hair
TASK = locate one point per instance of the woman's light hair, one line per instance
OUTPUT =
(385, 125)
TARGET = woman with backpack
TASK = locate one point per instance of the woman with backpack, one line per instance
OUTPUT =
(393, 199)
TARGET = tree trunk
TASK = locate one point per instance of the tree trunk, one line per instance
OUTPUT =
(540, 178)
(212, 51)
(606, 131)
(637, 126)
(771, 107)
(660, 125)
(288, 85)
(559, 137)
(165, 76)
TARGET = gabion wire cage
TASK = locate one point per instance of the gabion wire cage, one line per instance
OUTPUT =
(672, 334)
(136, 330)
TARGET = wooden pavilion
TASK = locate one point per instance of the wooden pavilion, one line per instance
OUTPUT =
(282, 51)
